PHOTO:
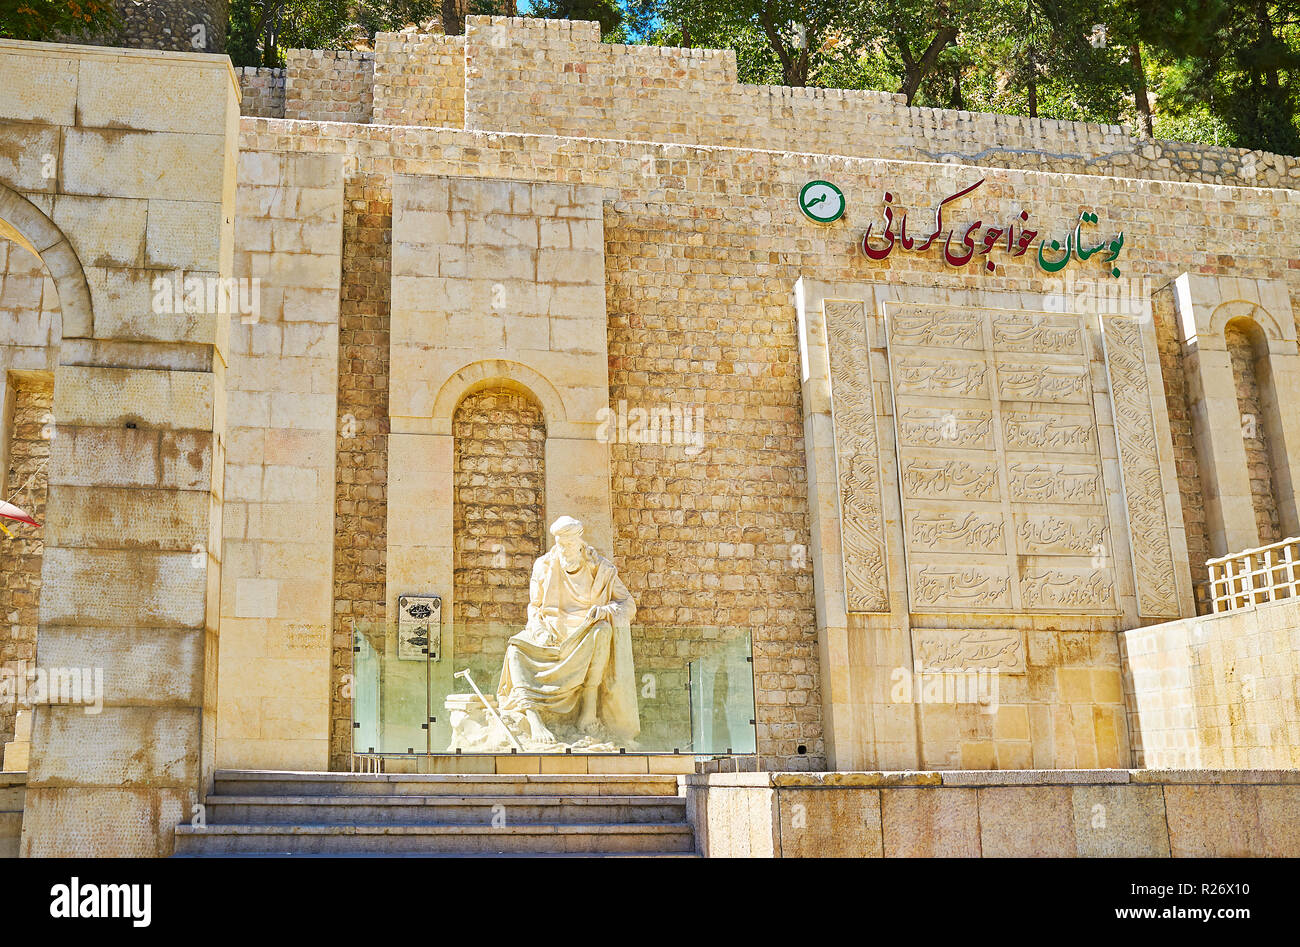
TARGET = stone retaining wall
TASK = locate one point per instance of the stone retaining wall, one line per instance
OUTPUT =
(981, 814)
(13, 788)
(261, 91)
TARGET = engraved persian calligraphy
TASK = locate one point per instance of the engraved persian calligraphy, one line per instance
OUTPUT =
(956, 532)
(950, 478)
(957, 588)
(952, 429)
(941, 376)
(1020, 381)
(1047, 533)
(1000, 472)
(940, 329)
(962, 649)
(1037, 332)
(1055, 483)
(862, 522)
(1035, 431)
(1144, 495)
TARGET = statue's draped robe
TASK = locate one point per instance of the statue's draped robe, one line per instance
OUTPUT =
(552, 656)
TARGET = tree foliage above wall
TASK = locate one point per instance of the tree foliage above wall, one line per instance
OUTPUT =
(57, 20)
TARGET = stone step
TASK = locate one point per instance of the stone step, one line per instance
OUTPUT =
(438, 855)
(647, 838)
(479, 809)
(272, 783)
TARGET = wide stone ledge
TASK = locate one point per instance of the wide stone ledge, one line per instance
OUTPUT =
(992, 778)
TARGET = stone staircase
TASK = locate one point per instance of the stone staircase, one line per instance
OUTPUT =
(384, 814)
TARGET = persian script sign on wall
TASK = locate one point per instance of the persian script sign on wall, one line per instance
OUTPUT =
(419, 627)
(1003, 495)
(963, 649)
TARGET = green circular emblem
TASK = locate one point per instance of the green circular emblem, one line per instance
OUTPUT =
(821, 201)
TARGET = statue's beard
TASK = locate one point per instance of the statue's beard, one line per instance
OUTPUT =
(571, 563)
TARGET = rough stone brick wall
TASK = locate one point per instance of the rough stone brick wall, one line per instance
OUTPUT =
(261, 91)
(21, 554)
(1186, 465)
(361, 519)
(330, 85)
(733, 510)
(1241, 349)
(556, 77)
(581, 87)
(500, 487)
(419, 79)
(169, 24)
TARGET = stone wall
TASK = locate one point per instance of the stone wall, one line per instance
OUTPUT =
(277, 582)
(1216, 691)
(1191, 488)
(419, 79)
(12, 790)
(699, 315)
(1116, 813)
(361, 517)
(500, 484)
(261, 90)
(329, 85)
(1242, 350)
(184, 25)
(121, 172)
(578, 86)
(29, 430)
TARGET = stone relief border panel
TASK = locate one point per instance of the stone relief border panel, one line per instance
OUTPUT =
(862, 524)
(1144, 490)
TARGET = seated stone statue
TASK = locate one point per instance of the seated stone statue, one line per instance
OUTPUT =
(575, 653)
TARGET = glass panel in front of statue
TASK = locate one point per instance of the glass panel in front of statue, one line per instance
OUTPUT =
(390, 696)
(635, 689)
(721, 685)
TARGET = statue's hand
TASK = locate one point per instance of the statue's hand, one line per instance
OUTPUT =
(597, 612)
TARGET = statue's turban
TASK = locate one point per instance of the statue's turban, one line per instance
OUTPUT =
(566, 526)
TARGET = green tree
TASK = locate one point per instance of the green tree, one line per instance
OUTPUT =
(58, 20)
(1239, 57)
(605, 12)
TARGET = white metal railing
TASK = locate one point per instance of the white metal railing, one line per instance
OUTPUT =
(1255, 576)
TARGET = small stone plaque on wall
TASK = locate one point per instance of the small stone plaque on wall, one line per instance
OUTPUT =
(962, 649)
(419, 627)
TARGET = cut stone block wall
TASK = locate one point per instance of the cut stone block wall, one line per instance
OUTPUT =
(1191, 487)
(121, 172)
(261, 90)
(277, 585)
(1216, 691)
(1120, 813)
(419, 79)
(12, 790)
(500, 483)
(329, 85)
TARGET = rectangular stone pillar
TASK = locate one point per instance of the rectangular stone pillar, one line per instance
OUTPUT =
(277, 598)
(122, 178)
